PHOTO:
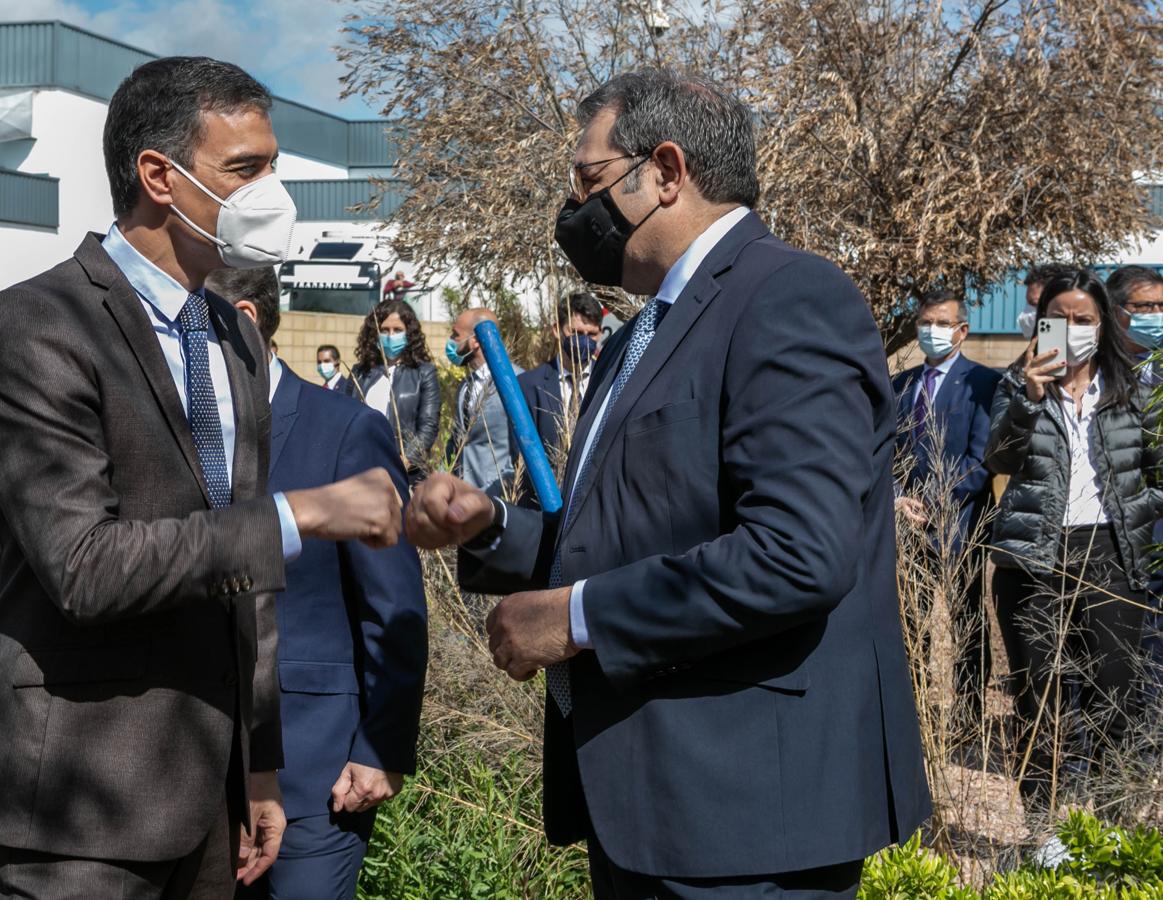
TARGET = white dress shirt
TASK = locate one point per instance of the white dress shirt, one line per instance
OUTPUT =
(673, 285)
(163, 298)
(942, 370)
(565, 380)
(333, 382)
(1084, 490)
(379, 396)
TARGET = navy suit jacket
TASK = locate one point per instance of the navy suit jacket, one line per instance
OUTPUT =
(353, 632)
(541, 388)
(961, 414)
(747, 708)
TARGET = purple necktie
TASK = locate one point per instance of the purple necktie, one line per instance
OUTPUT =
(921, 408)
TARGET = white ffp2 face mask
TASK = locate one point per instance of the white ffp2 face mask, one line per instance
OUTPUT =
(936, 341)
(1026, 319)
(254, 223)
(1081, 343)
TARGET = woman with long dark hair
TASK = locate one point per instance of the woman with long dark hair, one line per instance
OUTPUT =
(395, 375)
(1073, 530)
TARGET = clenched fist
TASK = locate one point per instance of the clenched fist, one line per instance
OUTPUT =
(445, 510)
(365, 507)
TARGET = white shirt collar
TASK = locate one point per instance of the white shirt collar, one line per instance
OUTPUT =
(682, 271)
(945, 366)
(161, 291)
(276, 368)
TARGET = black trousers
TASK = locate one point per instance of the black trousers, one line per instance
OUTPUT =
(205, 874)
(838, 882)
(1056, 625)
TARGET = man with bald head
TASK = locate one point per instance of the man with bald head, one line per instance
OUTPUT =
(479, 446)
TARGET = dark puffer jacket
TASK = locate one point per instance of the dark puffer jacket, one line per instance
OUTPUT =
(1029, 442)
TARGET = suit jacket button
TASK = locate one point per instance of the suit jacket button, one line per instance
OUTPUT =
(235, 587)
(230, 679)
(247, 584)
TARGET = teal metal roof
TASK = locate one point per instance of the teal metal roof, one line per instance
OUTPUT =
(996, 312)
(331, 201)
(57, 55)
(29, 199)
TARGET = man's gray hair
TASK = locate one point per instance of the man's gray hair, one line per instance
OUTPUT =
(713, 127)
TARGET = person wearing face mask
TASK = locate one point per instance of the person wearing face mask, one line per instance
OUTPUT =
(327, 365)
(943, 426)
(729, 708)
(140, 549)
(1079, 445)
(395, 375)
(479, 448)
(1137, 291)
(1035, 280)
(352, 640)
(554, 390)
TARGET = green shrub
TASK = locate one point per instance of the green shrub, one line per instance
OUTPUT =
(468, 832)
(911, 871)
(1105, 862)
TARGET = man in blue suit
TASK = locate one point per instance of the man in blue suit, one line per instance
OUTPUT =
(730, 711)
(554, 390)
(943, 410)
(352, 634)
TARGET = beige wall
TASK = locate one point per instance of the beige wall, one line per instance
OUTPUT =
(300, 333)
(994, 350)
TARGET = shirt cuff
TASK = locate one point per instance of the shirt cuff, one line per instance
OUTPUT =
(577, 617)
(292, 543)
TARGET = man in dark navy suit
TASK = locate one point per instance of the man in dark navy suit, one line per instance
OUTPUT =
(730, 710)
(943, 411)
(554, 390)
(352, 626)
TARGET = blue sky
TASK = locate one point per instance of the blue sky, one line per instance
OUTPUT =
(286, 44)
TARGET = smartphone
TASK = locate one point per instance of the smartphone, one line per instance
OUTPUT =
(1052, 336)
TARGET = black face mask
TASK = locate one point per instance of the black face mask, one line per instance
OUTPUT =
(593, 235)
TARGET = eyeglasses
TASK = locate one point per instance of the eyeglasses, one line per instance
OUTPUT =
(1145, 306)
(575, 186)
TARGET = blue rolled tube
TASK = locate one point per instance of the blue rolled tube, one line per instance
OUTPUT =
(540, 471)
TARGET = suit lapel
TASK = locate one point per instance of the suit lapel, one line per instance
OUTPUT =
(695, 299)
(951, 387)
(284, 412)
(125, 305)
(240, 369)
(908, 393)
(601, 379)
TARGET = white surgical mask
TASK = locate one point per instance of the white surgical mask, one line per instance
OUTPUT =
(254, 223)
(1081, 343)
(326, 370)
(1026, 319)
(936, 341)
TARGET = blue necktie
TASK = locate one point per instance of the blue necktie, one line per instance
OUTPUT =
(557, 675)
(201, 404)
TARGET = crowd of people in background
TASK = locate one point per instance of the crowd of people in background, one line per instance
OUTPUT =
(1074, 432)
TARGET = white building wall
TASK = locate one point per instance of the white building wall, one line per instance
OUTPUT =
(66, 131)
(303, 168)
(67, 145)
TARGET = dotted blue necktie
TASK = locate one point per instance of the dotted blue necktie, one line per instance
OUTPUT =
(201, 404)
(557, 675)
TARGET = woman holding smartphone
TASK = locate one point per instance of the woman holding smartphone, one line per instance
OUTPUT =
(395, 375)
(1073, 428)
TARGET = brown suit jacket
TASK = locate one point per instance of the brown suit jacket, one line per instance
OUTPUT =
(131, 614)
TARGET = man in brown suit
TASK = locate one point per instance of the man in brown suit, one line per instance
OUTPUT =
(138, 548)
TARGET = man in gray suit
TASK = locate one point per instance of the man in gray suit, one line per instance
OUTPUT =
(138, 548)
(479, 446)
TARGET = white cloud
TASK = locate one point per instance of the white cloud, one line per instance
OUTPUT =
(287, 44)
